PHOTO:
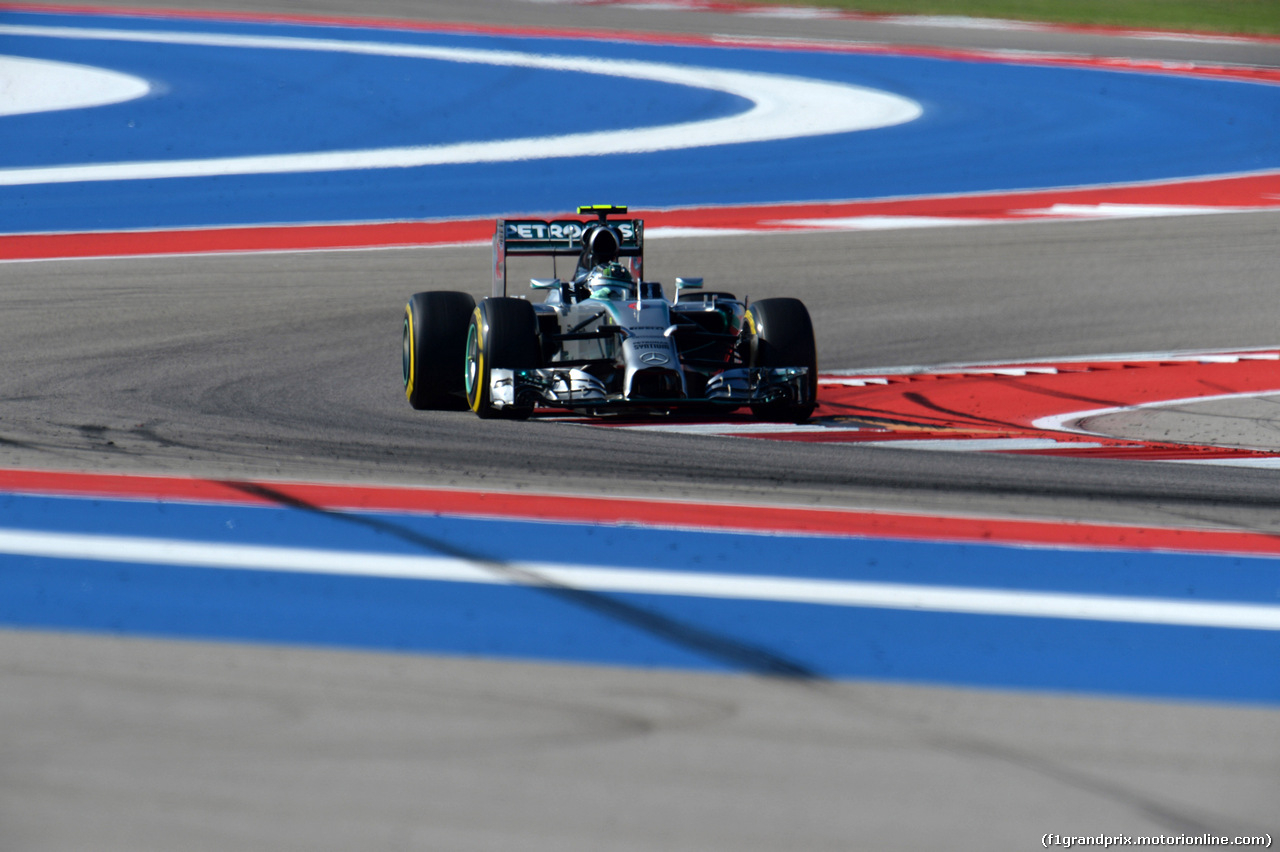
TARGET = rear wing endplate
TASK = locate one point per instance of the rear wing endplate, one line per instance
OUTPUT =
(556, 238)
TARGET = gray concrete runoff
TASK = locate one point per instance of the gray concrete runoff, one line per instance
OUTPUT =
(1249, 423)
(120, 745)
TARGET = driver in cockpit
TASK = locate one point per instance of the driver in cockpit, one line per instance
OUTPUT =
(610, 282)
(599, 275)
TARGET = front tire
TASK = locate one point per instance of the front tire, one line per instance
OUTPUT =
(503, 334)
(435, 334)
(784, 338)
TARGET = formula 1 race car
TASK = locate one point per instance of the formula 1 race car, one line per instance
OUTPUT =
(606, 340)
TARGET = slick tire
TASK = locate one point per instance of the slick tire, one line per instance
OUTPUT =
(503, 333)
(784, 338)
(435, 335)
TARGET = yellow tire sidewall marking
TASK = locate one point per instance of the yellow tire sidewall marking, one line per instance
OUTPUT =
(413, 353)
(477, 320)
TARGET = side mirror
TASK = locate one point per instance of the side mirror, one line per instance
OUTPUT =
(687, 284)
(545, 283)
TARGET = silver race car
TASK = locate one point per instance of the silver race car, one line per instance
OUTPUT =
(605, 340)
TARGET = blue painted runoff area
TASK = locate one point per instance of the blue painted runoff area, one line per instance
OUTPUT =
(986, 127)
(104, 593)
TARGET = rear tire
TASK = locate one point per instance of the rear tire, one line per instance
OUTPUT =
(435, 334)
(784, 338)
(503, 334)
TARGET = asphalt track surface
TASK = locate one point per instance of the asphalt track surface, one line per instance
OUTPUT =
(286, 366)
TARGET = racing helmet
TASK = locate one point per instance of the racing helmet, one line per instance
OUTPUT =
(611, 281)
(600, 245)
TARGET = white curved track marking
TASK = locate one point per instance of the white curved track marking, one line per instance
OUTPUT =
(42, 85)
(783, 107)
(1070, 421)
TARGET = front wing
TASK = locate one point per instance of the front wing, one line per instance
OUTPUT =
(576, 389)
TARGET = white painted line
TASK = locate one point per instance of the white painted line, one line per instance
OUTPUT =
(979, 445)
(679, 233)
(1261, 353)
(1264, 463)
(1014, 371)
(42, 85)
(887, 223)
(1130, 211)
(738, 428)
(1197, 38)
(799, 13)
(1058, 213)
(964, 22)
(247, 251)
(900, 596)
(782, 107)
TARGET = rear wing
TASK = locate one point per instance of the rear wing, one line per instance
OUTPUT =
(559, 238)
